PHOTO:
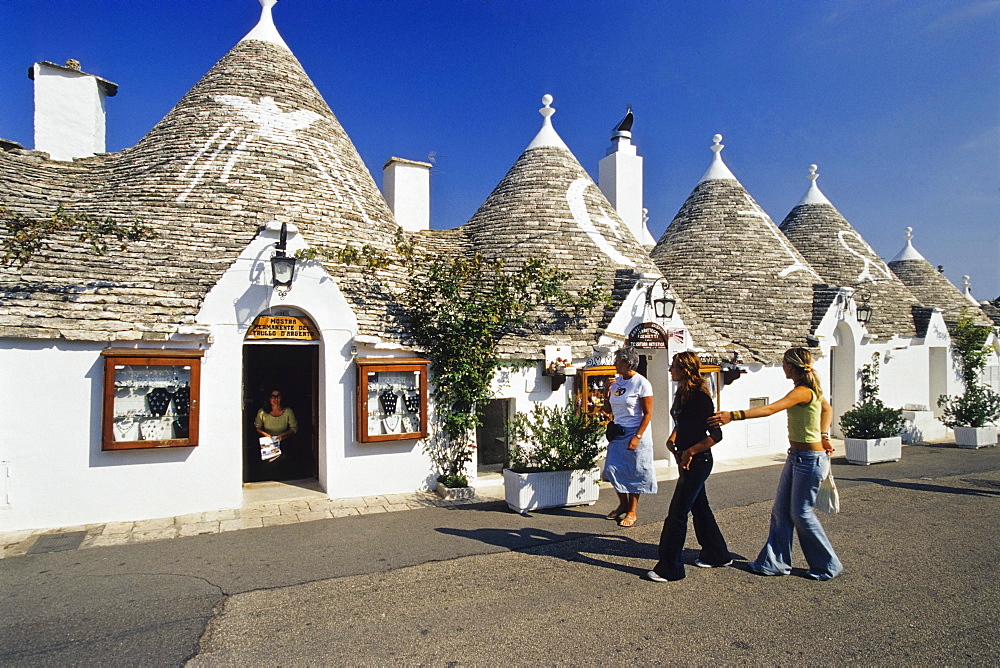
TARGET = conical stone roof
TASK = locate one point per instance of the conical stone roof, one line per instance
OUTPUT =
(930, 286)
(252, 142)
(547, 206)
(843, 258)
(729, 262)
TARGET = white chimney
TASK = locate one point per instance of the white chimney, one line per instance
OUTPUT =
(406, 185)
(620, 179)
(69, 110)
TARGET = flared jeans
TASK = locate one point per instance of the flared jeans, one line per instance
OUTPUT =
(690, 498)
(794, 511)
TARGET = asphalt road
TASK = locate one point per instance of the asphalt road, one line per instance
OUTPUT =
(481, 584)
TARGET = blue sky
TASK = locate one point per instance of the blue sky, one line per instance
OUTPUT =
(897, 102)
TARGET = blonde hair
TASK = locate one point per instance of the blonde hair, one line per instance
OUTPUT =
(802, 361)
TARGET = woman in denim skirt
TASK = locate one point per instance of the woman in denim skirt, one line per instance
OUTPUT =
(808, 462)
(629, 464)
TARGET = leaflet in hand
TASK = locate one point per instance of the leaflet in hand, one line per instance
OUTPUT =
(270, 447)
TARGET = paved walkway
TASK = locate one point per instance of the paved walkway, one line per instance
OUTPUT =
(306, 506)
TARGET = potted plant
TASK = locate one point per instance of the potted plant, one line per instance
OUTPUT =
(871, 429)
(972, 415)
(553, 458)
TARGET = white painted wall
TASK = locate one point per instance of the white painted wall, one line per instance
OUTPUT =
(407, 188)
(69, 113)
(58, 474)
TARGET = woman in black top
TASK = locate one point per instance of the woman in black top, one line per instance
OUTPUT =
(690, 443)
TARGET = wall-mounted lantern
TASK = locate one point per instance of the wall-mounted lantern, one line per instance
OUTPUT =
(282, 265)
(663, 308)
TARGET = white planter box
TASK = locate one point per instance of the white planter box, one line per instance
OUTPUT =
(873, 450)
(975, 437)
(550, 489)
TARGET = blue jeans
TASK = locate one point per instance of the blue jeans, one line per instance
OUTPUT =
(689, 497)
(794, 504)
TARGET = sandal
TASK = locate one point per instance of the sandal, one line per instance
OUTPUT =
(615, 514)
(627, 521)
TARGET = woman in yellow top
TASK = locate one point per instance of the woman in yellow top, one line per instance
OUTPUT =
(808, 462)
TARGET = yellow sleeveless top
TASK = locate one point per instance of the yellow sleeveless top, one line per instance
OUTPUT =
(803, 421)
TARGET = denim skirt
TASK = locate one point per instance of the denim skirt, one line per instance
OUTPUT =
(631, 471)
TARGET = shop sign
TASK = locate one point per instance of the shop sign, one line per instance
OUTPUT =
(283, 327)
(648, 335)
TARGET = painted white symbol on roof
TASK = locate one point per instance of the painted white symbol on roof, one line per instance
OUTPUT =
(269, 122)
(867, 258)
(578, 208)
(272, 122)
(755, 210)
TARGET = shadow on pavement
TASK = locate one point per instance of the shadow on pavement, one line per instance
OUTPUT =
(574, 546)
(924, 487)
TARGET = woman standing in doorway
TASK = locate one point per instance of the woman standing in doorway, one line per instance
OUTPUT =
(276, 419)
(629, 464)
(808, 462)
(690, 443)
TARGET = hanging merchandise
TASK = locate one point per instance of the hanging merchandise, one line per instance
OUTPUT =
(158, 399)
(389, 399)
(182, 400)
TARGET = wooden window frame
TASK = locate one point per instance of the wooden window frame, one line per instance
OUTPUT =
(389, 364)
(136, 357)
(584, 393)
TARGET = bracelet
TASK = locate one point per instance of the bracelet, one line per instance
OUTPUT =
(737, 415)
(824, 434)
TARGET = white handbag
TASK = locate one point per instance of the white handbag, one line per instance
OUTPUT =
(827, 498)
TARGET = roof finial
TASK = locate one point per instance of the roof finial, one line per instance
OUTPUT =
(908, 252)
(718, 169)
(967, 290)
(547, 110)
(265, 31)
(813, 194)
(547, 136)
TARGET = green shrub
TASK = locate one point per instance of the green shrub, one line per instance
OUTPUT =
(872, 419)
(555, 439)
(978, 407)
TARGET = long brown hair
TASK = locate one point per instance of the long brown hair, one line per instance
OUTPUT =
(689, 364)
(802, 361)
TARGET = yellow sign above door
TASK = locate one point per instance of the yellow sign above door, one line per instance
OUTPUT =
(283, 327)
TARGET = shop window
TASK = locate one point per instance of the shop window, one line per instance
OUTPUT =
(151, 398)
(592, 390)
(392, 399)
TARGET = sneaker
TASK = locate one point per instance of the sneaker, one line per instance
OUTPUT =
(656, 577)
(704, 564)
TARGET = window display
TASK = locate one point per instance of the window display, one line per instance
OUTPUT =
(592, 386)
(392, 399)
(150, 398)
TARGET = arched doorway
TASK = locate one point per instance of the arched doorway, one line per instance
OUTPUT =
(281, 352)
(843, 373)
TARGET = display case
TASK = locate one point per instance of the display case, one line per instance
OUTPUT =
(150, 398)
(592, 395)
(392, 399)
